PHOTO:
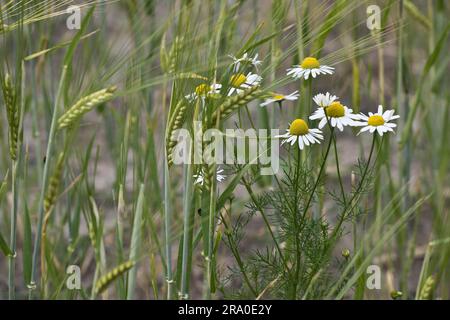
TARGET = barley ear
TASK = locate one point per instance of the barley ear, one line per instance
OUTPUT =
(173, 54)
(176, 122)
(163, 55)
(12, 113)
(233, 103)
(111, 276)
(84, 105)
(427, 290)
(53, 187)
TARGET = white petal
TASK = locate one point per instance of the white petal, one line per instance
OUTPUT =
(380, 130)
(364, 129)
(293, 139)
(301, 73)
(265, 103)
(310, 137)
(380, 109)
(362, 116)
(322, 123)
(316, 115)
(307, 72)
(305, 141)
(317, 135)
(300, 143)
(333, 122)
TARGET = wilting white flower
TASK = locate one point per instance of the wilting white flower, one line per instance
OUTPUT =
(204, 90)
(278, 97)
(239, 82)
(245, 59)
(199, 178)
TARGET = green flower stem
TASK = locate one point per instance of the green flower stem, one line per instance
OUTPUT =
(338, 170)
(308, 203)
(358, 189)
(309, 96)
(319, 176)
(297, 240)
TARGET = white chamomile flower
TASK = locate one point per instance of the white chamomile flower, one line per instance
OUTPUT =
(309, 66)
(300, 133)
(203, 90)
(199, 178)
(333, 111)
(245, 59)
(378, 121)
(324, 100)
(240, 82)
(278, 97)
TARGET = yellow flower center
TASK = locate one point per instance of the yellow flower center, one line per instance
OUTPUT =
(298, 127)
(202, 89)
(310, 63)
(238, 79)
(376, 120)
(335, 110)
(278, 97)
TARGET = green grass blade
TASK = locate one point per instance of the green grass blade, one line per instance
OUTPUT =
(136, 240)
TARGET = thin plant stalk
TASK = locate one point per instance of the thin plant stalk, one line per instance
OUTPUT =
(187, 215)
(50, 146)
(349, 206)
(14, 191)
(338, 170)
(136, 239)
(308, 203)
(297, 240)
(336, 156)
(187, 211)
(235, 251)
(12, 258)
(266, 220)
(211, 231)
(319, 176)
(167, 207)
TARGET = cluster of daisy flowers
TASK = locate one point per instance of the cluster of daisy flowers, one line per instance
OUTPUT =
(238, 81)
(329, 111)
